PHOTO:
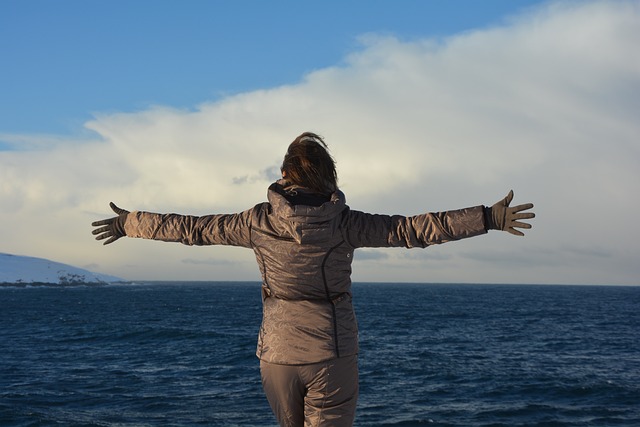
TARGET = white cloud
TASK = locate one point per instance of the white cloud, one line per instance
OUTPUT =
(546, 104)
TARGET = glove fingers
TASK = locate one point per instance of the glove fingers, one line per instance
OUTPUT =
(111, 240)
(515, 232)
(111, 229)
(526, 215)
(504, 217)
(523, 207)
(102, 222)
(117, 210)
(103, 235)
(520, 224)
(101, 230)
(507, 200)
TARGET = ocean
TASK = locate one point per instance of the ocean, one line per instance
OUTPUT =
(183, 354)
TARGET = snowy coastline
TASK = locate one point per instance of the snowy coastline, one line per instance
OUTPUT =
(16, 270)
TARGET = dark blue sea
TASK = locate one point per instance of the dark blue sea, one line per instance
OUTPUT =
(182, 354)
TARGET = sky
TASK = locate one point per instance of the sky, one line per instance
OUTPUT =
(188, 107)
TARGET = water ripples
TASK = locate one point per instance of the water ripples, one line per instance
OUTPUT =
(182, 354)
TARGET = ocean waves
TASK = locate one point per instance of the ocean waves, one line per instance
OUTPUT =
(183, 354)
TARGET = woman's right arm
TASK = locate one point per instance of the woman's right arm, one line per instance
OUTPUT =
(373, 230)
(368, 230)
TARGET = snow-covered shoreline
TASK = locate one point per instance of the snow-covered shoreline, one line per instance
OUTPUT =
(17, 270)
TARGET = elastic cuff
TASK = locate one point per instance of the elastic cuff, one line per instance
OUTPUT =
(488, 223)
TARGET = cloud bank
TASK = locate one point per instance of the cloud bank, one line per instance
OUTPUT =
(546, 104)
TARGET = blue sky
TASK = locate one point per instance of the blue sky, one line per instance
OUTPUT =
(427, 106)
(65, 60)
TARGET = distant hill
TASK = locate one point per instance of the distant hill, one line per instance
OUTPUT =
(15, 269)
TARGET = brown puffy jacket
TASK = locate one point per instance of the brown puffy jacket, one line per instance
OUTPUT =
(304, 254)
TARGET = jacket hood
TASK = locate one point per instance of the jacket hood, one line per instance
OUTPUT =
(305, 223)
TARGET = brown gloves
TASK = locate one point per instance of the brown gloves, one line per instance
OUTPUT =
(112, 228)
(503, 217)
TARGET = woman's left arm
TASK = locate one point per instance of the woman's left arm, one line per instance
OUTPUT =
(222, 229)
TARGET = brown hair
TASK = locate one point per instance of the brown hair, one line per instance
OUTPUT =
(309, 164)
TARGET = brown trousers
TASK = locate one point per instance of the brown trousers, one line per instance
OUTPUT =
(315, 395)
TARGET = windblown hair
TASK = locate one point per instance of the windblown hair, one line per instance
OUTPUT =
(309, 164)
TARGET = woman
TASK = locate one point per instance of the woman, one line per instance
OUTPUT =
(303, 239)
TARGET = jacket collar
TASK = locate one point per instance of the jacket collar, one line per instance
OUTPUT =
(303, 213)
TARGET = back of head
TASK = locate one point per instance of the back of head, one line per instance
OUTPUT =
(309, 164)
